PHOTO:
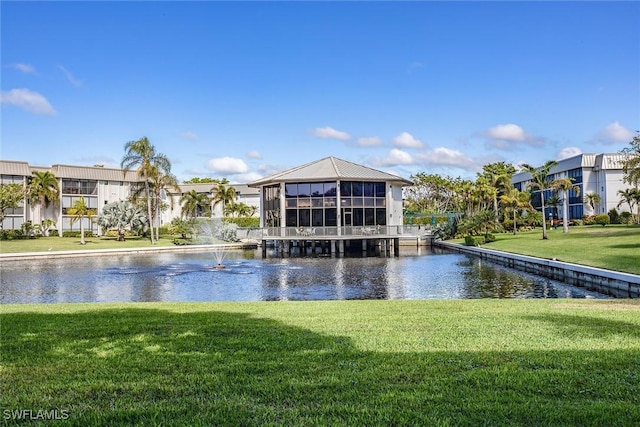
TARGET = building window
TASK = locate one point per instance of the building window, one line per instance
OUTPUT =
(79, 186)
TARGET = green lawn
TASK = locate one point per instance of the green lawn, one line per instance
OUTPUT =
(614, 247)
(436, 363)
(44, 244)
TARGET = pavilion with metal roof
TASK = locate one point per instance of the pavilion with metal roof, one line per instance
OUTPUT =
(333, 204)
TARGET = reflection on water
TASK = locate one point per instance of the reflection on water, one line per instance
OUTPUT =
(425, 274)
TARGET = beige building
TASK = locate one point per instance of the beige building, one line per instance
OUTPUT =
(99, 186)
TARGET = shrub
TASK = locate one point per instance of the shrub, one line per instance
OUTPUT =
(87, 233)
(589, 219)
(163, 231)
(602, 219)
(488, 238)
(614, 217)
(244, 222)
(114, 233)
(444, 230)
(578, 222)
(471, 241)
(626, 218)
(53, 233)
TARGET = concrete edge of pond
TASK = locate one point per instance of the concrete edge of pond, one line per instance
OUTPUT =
(615, 283)
(28, 256)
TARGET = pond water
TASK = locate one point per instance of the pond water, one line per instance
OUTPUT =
(415, 274)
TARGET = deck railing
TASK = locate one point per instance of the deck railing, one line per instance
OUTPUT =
(367, 231)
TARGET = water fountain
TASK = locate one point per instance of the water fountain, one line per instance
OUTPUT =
(219, 254)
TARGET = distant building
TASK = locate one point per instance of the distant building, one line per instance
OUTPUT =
(99, 186)
(592, 173)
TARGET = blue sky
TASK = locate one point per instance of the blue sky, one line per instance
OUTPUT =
(245, 89)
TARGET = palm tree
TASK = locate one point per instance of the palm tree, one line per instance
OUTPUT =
(142, 155)
(161, 181)
(501, 182)
(553, 201)
(592, 199)
(565, 185)
(539, 182)
(516, 200)
(192, 202)
(43, 189)
(223, 194)
(630, 196)
(79, 210)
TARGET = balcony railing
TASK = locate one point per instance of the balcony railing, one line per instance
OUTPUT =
(319, 233)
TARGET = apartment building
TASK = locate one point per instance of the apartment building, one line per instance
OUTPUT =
(99, 186)
(591, 173)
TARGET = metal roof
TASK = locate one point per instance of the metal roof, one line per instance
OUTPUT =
(330, 168)
(10, 167)
(610, 161)
(95, 173)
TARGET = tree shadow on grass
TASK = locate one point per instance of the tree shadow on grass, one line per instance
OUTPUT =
(590, 327)
(156, 367)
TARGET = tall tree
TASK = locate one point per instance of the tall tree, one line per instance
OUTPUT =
(516, 201)
(78, 212)
(631, 162)
(161, 180)
(11, 195)
(43, 189)
(142, 155)
(499, 176)
(431, 193)
(565, 185)
(223, 194)
(206, 180)
(539, 182)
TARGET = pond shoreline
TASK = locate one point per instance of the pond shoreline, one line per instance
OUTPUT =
(609, 282)
(29, 256)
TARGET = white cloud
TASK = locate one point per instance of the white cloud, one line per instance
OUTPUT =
(508, 132)
(614, 132)
(25, 68)
(443, 156)
(405, 139)
(567, 152)
(506, 135)
(394, 158)
(370, 141)
(254, 155)
(227, 165)
(246, 177)
(331, 133)
(70, 77)
(28, 100)
(191, 136)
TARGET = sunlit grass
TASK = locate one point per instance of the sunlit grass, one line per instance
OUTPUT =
(53, 244)
(614, 247)
(437, 362)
